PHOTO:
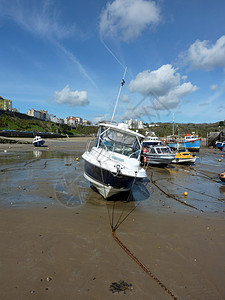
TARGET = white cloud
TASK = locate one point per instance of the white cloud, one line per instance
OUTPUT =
(158, 82)
(205, 55)
(214, 87)
(125, 98)
(126, 19)
(100, 118)
(164, 85)
(184, 77)
(41, 18)
(72, 98)
(138, 112)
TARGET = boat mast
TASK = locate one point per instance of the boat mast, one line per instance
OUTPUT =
(173, 124)
(122, 83)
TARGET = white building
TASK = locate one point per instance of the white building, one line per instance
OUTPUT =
(73, 121)
(135, 124)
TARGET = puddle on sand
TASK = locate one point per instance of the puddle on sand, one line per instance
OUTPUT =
(37, 177)
(200, 181)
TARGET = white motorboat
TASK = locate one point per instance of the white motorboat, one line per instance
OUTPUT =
(113, 164)
(38, 141)
(151, 140)
(157, 155)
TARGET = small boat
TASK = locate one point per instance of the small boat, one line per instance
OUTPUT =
(151, 140)
(220, 145)
(38, 141)
(190, 142)
(113, 164)
(222, 176)
(184, 157)
(157, 155)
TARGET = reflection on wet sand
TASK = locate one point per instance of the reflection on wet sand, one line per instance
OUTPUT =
(63, 172)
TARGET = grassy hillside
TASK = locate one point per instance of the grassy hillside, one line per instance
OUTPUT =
(13, 122)
(165, 129)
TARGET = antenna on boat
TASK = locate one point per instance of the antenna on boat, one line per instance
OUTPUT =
(173, 124)
(122, 83)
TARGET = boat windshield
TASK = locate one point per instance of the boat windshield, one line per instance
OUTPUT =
(119, 142)
(163, 150)
(152, 150)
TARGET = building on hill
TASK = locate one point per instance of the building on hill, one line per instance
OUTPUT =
(44, 115)
(135, 124)
(86, 122)
(5, 104)
(73, 121)
(39, 114)
(54, 119)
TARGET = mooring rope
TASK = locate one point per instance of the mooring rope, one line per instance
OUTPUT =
(144, 268)
(113, 231)
(128, 198)
(172, 196)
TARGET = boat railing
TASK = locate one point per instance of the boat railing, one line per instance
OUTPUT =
(88, 145)
(135, 154)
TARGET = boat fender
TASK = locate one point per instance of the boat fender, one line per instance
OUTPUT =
(144, 159)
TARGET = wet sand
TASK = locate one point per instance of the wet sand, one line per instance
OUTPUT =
(55, 233)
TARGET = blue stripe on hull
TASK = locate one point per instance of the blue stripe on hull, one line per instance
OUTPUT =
(195, 144)
(189, 145)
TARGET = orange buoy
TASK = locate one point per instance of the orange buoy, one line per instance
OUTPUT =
(222, 176)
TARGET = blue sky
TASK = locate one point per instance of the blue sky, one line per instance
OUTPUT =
(69, 56)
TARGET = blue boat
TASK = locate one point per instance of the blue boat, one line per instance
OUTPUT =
(220, 145)
(190, 142)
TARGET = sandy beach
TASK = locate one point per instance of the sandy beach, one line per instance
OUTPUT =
(55, 233)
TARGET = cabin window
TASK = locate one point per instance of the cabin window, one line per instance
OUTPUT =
(158, 150)
(152, 150)
(119, 142)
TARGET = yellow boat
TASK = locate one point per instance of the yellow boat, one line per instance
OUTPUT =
(184, 157)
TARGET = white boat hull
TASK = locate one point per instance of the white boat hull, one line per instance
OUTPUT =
(105, 190)
(107, 171)
(113, 164)
(184, 160)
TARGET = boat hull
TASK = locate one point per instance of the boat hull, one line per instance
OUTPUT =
(160, 160)
(193, 145)
(106, 182)
(39, 143)
(184, 160)
(220, 145)
(190, 145)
